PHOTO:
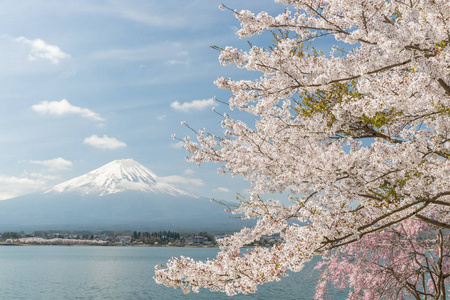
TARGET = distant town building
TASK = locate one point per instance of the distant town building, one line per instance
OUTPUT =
(124, 239)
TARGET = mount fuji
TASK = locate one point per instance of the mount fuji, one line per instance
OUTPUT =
(116, 177)
(120, 195)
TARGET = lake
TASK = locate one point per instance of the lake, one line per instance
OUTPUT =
(124, 273)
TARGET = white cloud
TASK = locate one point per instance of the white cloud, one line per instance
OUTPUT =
(162, 117)
(174, 62)
(56, 164)
(64, 107)
(193, 105)
(182, 53)
(124, 54)
(11, 186)
(188, 172)
(42, 50)
(182, 180)
(67, 74)
(177, 145)
(222, 189)
(41, 176)
(104, 142)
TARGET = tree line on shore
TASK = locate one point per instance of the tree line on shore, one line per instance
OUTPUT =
(125, 237)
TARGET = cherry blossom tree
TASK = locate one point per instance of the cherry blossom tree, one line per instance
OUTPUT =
(409, 261)
(359, 140)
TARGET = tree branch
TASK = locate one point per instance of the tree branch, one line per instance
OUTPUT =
(433, 222)
(444, 86)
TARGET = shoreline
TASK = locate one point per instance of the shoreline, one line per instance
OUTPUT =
(110, 245)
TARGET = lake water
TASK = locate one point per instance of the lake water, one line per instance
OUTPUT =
(123, 273)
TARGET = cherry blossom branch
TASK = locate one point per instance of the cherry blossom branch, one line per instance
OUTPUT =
(433, 222)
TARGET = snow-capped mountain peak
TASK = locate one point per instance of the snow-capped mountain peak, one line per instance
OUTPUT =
(118, 176)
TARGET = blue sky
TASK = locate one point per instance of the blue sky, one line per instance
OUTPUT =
(87, 82)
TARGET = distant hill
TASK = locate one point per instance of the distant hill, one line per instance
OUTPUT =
(122, 194)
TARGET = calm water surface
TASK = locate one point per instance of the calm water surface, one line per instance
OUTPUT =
(123, 273)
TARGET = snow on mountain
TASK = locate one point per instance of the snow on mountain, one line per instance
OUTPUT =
(118, 176)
